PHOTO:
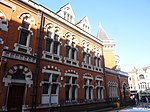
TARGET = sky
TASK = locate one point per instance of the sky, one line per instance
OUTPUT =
(125, 21)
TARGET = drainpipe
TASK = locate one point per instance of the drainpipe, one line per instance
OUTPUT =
(118, 77)
(105, 84)
(38, 65)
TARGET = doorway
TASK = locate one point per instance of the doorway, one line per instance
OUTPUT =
(15, 98)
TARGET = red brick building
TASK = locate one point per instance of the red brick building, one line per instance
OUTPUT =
(50, 63)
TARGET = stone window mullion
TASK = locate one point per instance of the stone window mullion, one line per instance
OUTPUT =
(51, 47)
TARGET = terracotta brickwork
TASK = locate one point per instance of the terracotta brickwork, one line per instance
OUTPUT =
(36, 64)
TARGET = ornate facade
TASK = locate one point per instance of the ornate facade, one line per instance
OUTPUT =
(139, 81)
(50, 63)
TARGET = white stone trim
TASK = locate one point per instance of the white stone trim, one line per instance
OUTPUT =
(8, 4)
(55, 16)
(51, 71)
(72, 75)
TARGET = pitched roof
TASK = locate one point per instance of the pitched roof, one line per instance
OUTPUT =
(67, 7)
(101, 33)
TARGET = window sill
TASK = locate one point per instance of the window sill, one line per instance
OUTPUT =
(71, 61)
(22, 48)
(51, 56)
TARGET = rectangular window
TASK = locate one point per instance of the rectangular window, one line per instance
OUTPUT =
(88, 59)
(68, 79)
(67, 51)
(45, 88)
(54, 88)
(73, 53)
(54, 78)
(55, 48)
(48, 44)
(23, 36)
(73, 92)
(74, 80)
(67, 92)
(46, 77)
(25, 24)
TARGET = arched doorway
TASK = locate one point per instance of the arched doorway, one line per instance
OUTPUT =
(17, 80)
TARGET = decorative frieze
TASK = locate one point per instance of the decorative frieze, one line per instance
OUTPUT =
(18, 56)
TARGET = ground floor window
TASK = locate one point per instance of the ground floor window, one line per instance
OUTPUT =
(50, 88)
(71, 88)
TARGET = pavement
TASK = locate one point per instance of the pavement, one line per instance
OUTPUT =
(132, 109)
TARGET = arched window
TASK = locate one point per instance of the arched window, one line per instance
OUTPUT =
(25, 33)
(99, 88)
(88, 87)
(71, 87)
(3, 22)
(86, 56)
(71, 50)
(141, 76)
(52, 43)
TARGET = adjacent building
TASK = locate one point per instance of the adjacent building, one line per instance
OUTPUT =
(49, 62)
(139, 81)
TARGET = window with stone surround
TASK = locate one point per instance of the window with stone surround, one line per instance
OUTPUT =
(97, 61)
(50, 88)
(3, 22)
(113, 89)
(86, 56)
(71, 87)
(99, 88)
(52, 43)
(71, 50)
(25, 33)
(88, 88)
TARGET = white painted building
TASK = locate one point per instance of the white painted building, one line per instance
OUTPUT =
(139, 81)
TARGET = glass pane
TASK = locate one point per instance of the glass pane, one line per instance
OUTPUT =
(46, 77)
(25, 24)
(85, 81)
(73, 92)
(23, 37)
(55, 49)
(98, 63)
(45, 88)
(95, 59)
(73, 53)
(67, 92)
(90, 92)
(68, 79)
(74, 80)
(54, 78)
(67, 51)
(88, 59)
(48, 44)
(54, 89)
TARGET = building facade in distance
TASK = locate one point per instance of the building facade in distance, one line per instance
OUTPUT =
(50, 62)
(139, 81)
